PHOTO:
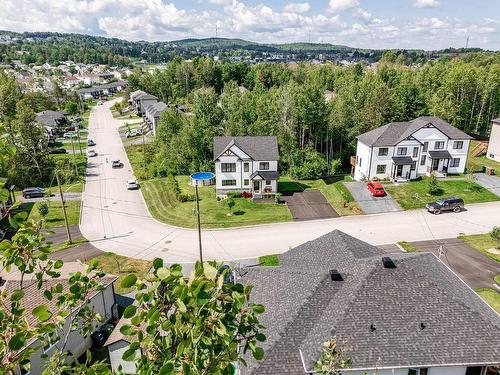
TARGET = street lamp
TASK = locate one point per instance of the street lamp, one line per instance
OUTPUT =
(200, 179)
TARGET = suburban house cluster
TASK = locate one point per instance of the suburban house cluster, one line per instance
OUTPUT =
(246, 164)
(101, 91)
(396, 314)
(150, 108)
(407, 150)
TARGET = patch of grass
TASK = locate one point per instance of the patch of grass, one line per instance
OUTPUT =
(409, 248)
(497, 279)
(481, 242)
(492, 297)
(475, 164)
(164, 206)
(414, 194)
(332, 188)
(122, 266)
(67, 245)
(269, 260)
(55, 216)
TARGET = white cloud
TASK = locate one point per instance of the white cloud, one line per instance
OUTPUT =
(338, 5)
(425, 3)
(297, 7)
(363, 14)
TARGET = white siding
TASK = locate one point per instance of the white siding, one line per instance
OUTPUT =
(361, 170)
(116, 351)
(442, 370)
(494, 143)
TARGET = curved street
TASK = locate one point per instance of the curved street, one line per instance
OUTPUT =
(115, 219)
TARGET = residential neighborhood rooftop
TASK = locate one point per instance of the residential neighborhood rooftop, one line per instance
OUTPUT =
(416, 314)
(257, 147)
(393, 133)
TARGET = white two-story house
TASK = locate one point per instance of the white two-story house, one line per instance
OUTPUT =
(407, 150)
(493, 152)
(246, 164)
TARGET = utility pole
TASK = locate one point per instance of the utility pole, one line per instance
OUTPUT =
(198, 221)
(143, 150)
(63, 208)
(74, 157)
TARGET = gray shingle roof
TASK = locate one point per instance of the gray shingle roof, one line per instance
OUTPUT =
(265, 175)
(393, 133)
(156, 109)
(50, 118)
(304, 308)
(257, 147)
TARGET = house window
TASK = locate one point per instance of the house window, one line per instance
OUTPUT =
(401, 151)
(268, 182)
(413, 166)
(422, 160)
(418, 371)
(458, 145)
(228, 167)
(228, 182)
(381, 168)
(415, 152)
(474, 370)
(245, 167)
(455, 162)
(264, 166)
(439, 145)
(426, 146)
(359, 161)
(492, 156)
(383, 151)
(246, 182)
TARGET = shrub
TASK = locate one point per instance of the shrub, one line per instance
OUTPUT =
(43, 209)
(183, 197)
(433, 186)
(230, 203)
(234, 194)
(277, 197)
(246, 194)
(495, 235)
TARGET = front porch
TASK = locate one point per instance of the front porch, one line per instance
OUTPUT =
(264, 184)
(440, 160)
(403, 169)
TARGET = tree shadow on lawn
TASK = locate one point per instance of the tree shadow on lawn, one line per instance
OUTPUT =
(239, 213)
(333, 179)
(291, 186)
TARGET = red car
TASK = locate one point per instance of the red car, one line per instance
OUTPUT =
(376, 189)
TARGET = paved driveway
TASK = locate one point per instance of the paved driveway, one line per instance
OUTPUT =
(492, 183)
(370, 204)
(476, 269)
(309, 204)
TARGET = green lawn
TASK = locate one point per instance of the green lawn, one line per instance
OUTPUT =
(414, 194)
(476, 163)
(269, 260)
(492, 297)
(55, 217)
(67, 245)
(409, 248)
(332, 188)
(164, 207)
(122, 266)
(497, 279)
(126, 116)
(481, 242)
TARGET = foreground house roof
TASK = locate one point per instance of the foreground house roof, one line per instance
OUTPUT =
(416, 314)
(257, 147)
(393, 133)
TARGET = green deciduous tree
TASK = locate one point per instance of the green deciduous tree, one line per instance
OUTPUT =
(334, 359)
(495, 235)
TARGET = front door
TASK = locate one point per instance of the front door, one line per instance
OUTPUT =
(256, 185)
(435, 164)
(399, 170)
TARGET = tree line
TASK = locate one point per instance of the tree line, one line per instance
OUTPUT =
(316, 132)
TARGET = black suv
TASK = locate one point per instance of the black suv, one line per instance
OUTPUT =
(454, 204)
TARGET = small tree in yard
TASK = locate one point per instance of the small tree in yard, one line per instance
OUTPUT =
(230, 204)
(333, 359)
(495, 235)
(471, 179)
(43, 209)
(433, 185)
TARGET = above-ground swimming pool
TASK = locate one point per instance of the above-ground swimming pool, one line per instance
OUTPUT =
(202, 179)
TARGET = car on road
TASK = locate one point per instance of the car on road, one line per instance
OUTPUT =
(33, 192)
(91, 153)
(100, 102)
(133, 133)
(90, 142)
(116, 164)
(69, 135)
(132, 185)
(454, 204)
(58, 151)
(376, 189)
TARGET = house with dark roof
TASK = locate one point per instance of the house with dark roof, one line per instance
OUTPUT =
(493, 152)
(152, 115)
(407, 150)
(101, 301)
(52, 121)
(246, 164)
(401, 313)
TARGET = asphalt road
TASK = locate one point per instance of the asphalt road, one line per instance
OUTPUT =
(117, 220)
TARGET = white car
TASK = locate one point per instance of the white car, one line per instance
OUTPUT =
(132, 185)
(133, 133)
(91, 153)
(69, 135)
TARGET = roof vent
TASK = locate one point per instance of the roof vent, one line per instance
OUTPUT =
(372, 327)
(422, 325)
(388, 263)
(335, 275)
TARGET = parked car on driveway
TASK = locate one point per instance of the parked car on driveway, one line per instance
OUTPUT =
(454, 204)
(69, 135)
(116, 164)
(90, 142)
(376, 189)
(58, 151)
(33, 192)
(91, 153)
(132, 185)
(133, 133)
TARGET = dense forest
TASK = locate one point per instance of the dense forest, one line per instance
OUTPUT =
(288, 100)
(41, 47)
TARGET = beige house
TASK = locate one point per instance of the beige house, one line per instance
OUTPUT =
(493, 152)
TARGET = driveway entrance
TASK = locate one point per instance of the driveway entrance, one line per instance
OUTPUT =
(492, 183)
(370, 204)
(308, 204)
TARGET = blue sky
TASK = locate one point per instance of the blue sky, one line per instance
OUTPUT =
(425, 24)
